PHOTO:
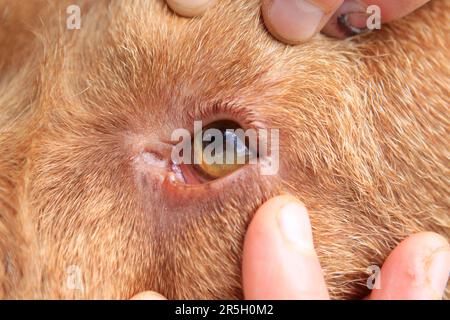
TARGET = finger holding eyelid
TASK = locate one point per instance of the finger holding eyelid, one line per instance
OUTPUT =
(189, 8)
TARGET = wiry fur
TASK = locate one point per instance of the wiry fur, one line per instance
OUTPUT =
(364, 144)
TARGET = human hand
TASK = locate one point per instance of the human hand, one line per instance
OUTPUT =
(296, 21)
(280, 262)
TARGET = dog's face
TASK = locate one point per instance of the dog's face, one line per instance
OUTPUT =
(86, 185)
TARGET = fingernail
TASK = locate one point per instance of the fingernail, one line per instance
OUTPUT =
(294, 21)
(439, 270)
(189, 8)
(295, 225)
(353, 23)
(352, 17)
(349, 20)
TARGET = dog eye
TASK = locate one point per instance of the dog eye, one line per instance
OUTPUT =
(220, 149)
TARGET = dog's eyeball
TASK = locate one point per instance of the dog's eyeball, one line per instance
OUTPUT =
(220, 149)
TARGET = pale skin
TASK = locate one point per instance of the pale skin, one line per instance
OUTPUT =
(279, 240)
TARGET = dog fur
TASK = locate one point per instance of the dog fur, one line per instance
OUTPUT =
(364, 133)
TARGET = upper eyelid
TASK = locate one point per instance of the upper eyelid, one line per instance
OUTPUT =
(246, 117)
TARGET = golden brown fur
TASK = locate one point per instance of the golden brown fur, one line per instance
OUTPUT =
(364, 144)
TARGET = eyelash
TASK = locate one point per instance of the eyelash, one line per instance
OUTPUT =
(220, 110)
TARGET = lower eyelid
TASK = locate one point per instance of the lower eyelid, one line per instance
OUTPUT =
(189, 192)
(189, 176)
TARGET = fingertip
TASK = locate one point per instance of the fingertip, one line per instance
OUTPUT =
(189, 8)
(354, 16)
(148, 295)
(418, 268)
(279, 260)
(266, 216)
(297, 21)
(274, 204)
(349, 19)
(428, 239)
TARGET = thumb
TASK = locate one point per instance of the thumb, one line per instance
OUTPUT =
(279, 259)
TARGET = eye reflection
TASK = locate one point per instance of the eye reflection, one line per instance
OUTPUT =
(221, 150)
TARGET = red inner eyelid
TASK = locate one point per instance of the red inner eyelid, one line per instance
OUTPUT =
(189, 175)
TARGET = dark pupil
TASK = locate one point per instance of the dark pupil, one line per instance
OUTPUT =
(229, 139)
